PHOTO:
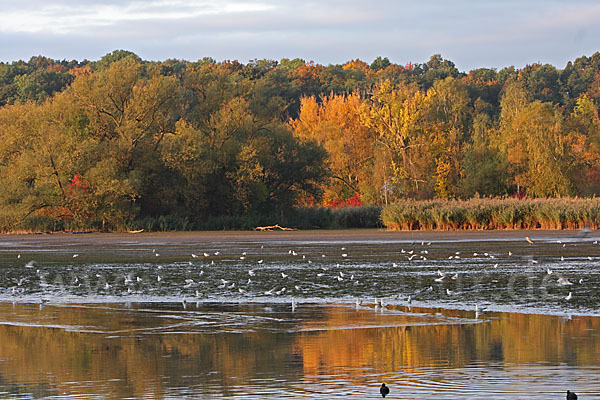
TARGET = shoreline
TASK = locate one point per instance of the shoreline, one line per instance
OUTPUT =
(393, 307)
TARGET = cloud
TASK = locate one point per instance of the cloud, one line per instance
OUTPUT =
(67, 17)
(471, 33)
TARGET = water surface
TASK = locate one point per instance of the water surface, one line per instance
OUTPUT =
(299, 315)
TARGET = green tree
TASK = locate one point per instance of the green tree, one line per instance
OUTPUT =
(380, 63)
(537, 151)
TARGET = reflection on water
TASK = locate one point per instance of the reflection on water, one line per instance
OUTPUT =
(211, 350)
(210, 315)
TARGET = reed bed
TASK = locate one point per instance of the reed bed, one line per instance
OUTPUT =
(493, 213)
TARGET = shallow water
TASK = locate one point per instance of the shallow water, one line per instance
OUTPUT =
(76, 327)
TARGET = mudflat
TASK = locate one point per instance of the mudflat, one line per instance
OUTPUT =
(298, 235)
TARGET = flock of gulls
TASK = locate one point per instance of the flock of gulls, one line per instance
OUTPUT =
(194, 285)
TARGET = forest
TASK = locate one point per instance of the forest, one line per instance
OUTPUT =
(123, 143)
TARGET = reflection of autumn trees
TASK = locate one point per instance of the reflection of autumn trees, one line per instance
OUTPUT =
(512, 339)
(129, 363)
(126, 363)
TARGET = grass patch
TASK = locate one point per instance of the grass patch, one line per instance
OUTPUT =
(484, 213)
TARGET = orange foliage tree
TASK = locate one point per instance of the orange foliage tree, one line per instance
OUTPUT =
(335, 124)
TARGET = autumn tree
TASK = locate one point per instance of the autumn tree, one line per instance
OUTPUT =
(583, 136)
(395, 114)
(537, 152)
(335, 124)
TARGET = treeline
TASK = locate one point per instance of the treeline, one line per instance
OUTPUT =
(123, 143)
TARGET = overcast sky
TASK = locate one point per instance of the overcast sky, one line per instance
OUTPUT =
(472, 33)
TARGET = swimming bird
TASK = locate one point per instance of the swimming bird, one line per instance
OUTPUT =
(441, 278)
(284, 275)
(563, 282)
(194, 255)
(449, 292)
(569, 296)
(454, 277)
(549, 271)
(571, 395)
(30, 264)
(384, 390)
(75, 255)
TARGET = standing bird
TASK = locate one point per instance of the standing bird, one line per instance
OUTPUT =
(570, 395)
(528, 240)
(384, 390)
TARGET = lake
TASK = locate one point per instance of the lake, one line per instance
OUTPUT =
(435, 315)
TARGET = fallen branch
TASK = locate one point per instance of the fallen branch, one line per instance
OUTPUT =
(273, 228)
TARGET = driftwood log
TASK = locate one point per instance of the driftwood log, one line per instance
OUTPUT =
(273, 228)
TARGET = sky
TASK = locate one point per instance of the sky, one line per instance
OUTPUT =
(471, 33)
